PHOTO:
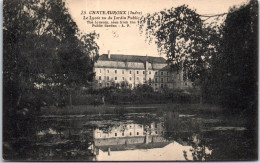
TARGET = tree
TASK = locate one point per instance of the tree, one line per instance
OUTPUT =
(177, 32)
(235, 69)
(45, 57)
(187, 41)
(124, 84)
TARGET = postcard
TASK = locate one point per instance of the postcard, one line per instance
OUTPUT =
(126, 80)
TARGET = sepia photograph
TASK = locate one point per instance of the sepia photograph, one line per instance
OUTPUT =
(127, 80)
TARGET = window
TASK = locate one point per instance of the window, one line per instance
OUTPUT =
(115, 78)
(167, 73)
(130, 133)
(149, 72)
(123, 78)
(144, 79)
(123, 72)
(107, 71)
(162, 80)
(161, 85)
(115, 134)
(137, 133)
(107, 77)
(130, 72)
(99, 77)
(156, 73)
(137, 78)
(150, 80)
(130, 78)
(130, 85)
(161, 72)
(143, 72)
(155, 132)
(155, 85)
(100, 84)
(107, 84)
(167, 79)
(137, 72)
(99, 134)
(156, 80)
(115, 71)
(123, 134)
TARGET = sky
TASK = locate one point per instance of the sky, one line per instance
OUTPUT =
(129, 41)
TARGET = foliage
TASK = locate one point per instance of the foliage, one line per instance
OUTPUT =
(142, 94)
(144, 88)
(181, 35)
(234, 72)
(221, 59)
(44, 56)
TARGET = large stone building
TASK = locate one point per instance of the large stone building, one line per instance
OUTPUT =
(133, 70)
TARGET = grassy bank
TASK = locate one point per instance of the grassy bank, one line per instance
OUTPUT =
(120, 109)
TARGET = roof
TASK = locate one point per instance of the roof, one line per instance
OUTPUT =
(131, 58)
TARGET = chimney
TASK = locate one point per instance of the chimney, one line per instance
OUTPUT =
(108, 54)
(146, 63)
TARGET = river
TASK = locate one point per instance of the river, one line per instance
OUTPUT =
(168, 136)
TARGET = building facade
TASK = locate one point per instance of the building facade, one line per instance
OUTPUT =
(131, 71)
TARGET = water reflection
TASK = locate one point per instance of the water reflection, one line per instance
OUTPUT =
(138, 142)
(139, 137)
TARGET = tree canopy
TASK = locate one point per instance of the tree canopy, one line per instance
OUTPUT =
(181, 35)
(219, 57)
(235, 68)
(44, 57)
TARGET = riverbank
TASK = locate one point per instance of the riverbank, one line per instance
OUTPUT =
(210, 112)
(106, 109)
